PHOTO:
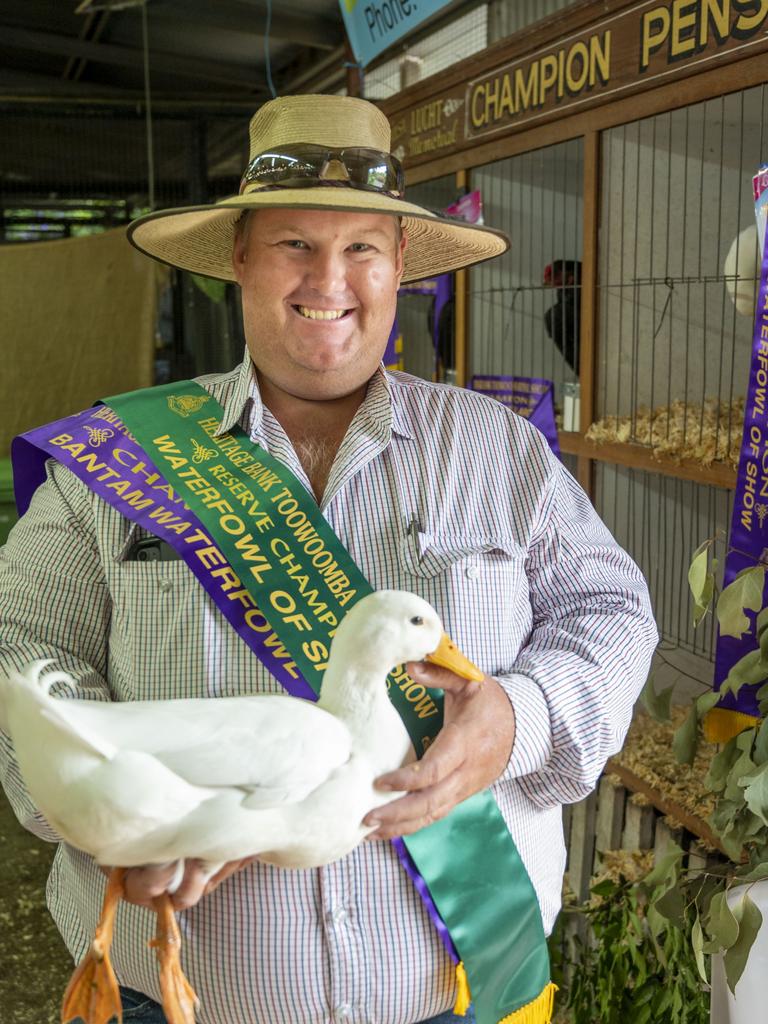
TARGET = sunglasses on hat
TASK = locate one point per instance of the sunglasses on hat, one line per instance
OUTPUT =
(304, 164)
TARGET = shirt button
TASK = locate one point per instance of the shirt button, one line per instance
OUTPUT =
(343, 1013)
(339, 916)
(166, 584)
(473, 571)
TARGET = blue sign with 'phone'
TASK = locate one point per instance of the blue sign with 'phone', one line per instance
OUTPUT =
(373, 25)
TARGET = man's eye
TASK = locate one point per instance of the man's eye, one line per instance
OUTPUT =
(294, 243)
(360, 247)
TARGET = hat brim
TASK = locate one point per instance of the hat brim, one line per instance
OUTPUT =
(200, 238)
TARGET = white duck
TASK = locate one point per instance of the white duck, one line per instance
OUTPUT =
(149, 782)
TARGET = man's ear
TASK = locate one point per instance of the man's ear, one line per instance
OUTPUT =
(238, 257)
(240, 248)
(400, 258)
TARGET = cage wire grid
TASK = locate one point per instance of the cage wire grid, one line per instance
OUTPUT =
(676, 193)
(536, 198)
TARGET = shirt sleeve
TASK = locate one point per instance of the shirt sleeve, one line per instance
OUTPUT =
(574, 683)
(54, 603)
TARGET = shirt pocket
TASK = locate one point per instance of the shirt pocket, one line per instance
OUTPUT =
(158, 620)
(478, 586)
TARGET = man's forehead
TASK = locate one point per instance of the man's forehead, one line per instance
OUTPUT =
(335, 222)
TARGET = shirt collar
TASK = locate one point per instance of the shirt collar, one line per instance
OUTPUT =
(384, 405)
(245, 393)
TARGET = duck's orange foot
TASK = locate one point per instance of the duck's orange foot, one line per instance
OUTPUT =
(93, 994)
(178, 997)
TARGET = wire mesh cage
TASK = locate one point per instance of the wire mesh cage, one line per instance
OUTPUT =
(525, 306)
(661, 520)
(673, 350)
(416, 308)
(72, 170)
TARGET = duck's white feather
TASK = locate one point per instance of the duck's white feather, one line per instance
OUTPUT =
(220, 779)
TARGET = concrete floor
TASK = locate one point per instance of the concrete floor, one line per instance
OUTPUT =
(34, 964)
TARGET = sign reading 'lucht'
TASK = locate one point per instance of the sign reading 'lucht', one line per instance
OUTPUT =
(373, 25)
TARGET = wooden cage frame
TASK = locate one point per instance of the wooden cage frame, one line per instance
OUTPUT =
(693, 50)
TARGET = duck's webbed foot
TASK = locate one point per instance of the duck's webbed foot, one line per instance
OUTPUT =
(178, 996)
(93, 993)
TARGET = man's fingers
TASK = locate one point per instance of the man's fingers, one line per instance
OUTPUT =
(225, 871)
(416, 810)
(439, 678)
(143, 884)
(192, 886)
(446, 754)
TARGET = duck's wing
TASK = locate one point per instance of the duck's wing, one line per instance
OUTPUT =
(276, 749)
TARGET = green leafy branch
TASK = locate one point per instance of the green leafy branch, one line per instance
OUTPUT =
(635, 968)
(697, 901)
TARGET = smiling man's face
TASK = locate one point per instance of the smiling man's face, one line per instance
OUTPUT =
(319, 295)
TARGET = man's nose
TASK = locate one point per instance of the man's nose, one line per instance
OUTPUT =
(327, 272)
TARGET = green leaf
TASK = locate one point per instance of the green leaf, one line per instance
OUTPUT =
(760, 752)
(685, 739)
(666, 869)
(756, 791)
(657, 704)
(746, 591)
(720, 766)
(749, 919)
(605, 888)
(210, 286)
(706, 701)
(748, 671)
(756, 873)
(741, 770)
(697, 941)
(761, 622)
(722, 927)
(701, 582)
(672, 906)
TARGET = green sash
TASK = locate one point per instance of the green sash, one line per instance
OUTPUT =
(285, 558)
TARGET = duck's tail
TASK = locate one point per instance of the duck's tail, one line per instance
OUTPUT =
(31, 677)
(32, 687)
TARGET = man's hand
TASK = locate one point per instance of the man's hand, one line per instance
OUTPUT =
(470, 752)
(143, 884)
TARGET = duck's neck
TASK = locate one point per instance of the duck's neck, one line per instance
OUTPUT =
(359, 698)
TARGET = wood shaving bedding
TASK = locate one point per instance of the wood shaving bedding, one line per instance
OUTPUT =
(708, 433)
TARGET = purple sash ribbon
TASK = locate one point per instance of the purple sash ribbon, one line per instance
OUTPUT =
(748, 541)
(530, 397)
(115, 468)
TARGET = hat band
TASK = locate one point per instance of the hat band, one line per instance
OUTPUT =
(305, 165)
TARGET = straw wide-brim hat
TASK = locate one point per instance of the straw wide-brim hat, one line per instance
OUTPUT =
(200, 238)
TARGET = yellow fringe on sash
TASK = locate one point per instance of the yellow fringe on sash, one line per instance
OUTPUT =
(463, 998)
(537, 1012)
(721, 725)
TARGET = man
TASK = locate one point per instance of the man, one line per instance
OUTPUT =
(430, 489)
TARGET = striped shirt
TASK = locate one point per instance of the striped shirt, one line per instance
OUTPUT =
(435, 490)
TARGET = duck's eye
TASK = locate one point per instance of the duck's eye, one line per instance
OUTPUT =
(417, 621)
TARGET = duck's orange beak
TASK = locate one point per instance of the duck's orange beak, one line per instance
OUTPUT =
(448, 655)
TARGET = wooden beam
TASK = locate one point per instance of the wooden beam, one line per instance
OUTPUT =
(664, 804)
(589, 299)
(637, 456)
(461, 307)
(124, 56)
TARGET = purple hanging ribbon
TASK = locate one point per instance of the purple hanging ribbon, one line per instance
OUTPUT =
(115, 453)
(530, 397)
(748, 539)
